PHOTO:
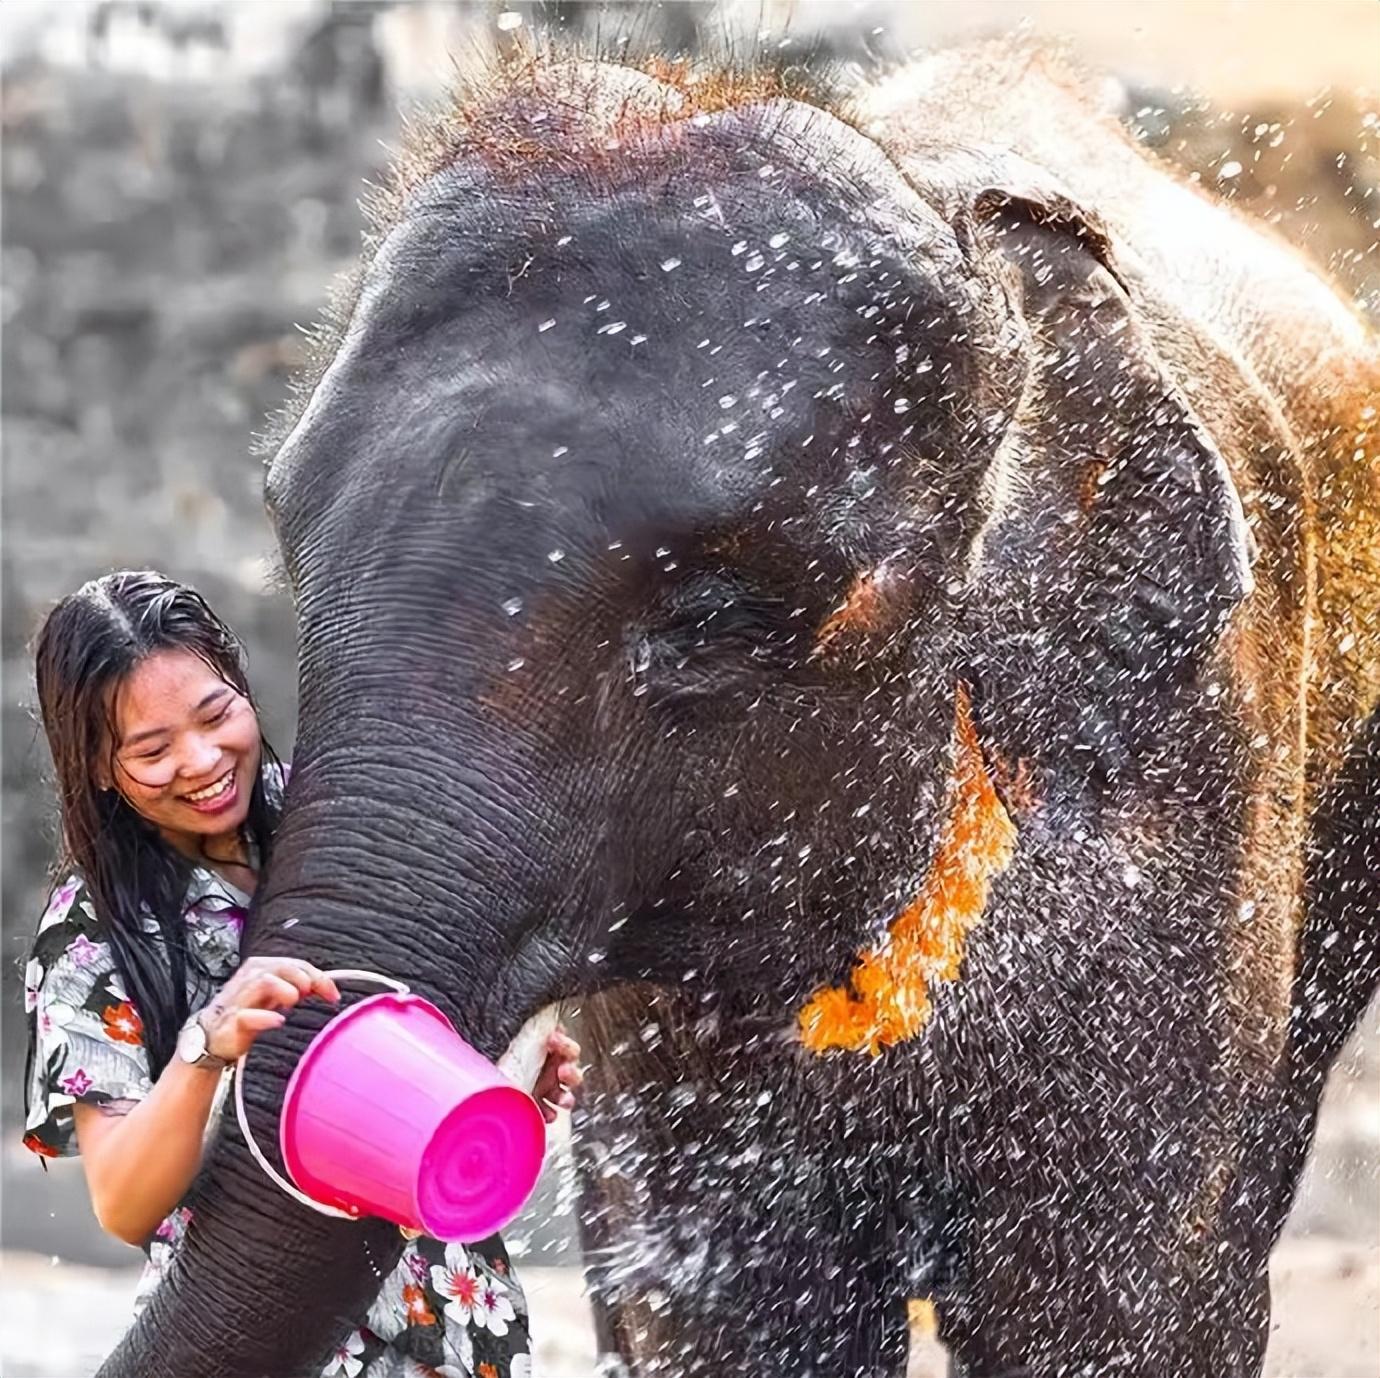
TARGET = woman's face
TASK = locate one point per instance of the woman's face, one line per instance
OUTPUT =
(186, 750)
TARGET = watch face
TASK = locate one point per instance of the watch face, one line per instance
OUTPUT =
(192, 1042)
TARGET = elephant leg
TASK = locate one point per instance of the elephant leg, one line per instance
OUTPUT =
(727, 1227)
(1339, 960)
(1068, 1283)
(1225, 1325)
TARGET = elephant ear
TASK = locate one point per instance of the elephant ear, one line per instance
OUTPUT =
(1158, 552)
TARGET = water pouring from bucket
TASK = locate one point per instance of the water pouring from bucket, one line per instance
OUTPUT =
(390, 1113)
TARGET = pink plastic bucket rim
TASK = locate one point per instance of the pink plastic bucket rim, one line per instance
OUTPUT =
(511, 1116)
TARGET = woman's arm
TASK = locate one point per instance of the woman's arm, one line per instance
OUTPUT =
(141, 1159)
(141, 1156)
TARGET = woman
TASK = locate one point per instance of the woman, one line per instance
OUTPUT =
(136, 994)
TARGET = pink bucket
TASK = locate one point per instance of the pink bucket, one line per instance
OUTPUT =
(390, 1113)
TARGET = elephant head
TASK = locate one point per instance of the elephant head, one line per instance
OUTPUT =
(688, 493)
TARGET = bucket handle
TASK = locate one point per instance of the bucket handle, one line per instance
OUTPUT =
(345, 974)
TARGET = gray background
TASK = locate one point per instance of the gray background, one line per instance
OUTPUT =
(180, 185)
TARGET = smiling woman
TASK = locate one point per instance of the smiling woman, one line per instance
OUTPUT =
(137, 994)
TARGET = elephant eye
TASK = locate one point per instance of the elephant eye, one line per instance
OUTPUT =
(715, 607)
(709, 636)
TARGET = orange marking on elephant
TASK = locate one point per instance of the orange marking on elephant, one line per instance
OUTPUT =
(858, 614)
(887, 999)
(1090, 484)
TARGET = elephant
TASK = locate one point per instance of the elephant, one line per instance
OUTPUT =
(878, 600)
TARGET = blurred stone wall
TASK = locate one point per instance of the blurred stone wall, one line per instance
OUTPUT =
(160, 240)
(180, 185)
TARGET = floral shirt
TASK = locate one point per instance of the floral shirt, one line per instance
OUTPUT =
(447, 1310)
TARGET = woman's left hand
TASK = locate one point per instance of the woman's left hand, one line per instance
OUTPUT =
(560, 1075)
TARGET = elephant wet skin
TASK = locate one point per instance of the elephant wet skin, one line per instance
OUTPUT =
(884, 609)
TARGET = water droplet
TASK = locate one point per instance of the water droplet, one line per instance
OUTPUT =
(613, 328)
(559, 451)
(901, 404)
(727, 400)
(777, 241)
(669, 265)
(555, 556)
(512, 606)
(516, 663)
(545, 326)
(1229, 170)
(754, 263)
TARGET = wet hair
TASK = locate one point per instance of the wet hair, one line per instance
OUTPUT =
(88, 646)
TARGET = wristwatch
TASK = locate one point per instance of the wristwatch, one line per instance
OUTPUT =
(191, 1046)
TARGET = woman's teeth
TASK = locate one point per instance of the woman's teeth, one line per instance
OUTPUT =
(211, 791)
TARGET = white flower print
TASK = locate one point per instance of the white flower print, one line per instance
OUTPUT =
(71, 979)
(457, 1283)
(160, 1261)
(53, 1020)
(494, 1310)
(522, 1366)
(61, 903)
(346, 1358)
(33, 979)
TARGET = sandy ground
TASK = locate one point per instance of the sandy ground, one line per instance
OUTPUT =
(1327, 1292)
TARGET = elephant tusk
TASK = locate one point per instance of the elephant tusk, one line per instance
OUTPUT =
(887, 998)
(525, 1056)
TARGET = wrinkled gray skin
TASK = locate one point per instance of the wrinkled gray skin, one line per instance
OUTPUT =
(563, 729)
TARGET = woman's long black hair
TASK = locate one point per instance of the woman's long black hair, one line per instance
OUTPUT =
(88, 646)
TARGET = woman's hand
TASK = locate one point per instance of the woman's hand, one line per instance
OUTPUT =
(560, 1075)
(254, 999)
